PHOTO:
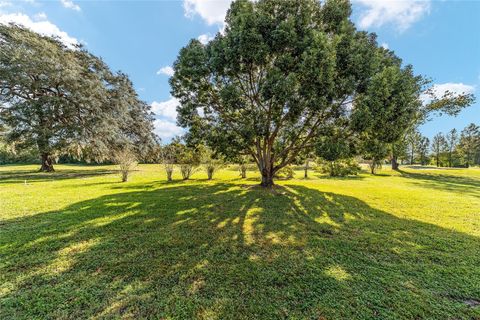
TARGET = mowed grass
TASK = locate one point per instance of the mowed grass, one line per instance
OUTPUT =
(79, 244)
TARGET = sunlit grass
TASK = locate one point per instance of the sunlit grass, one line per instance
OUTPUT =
(79, 244)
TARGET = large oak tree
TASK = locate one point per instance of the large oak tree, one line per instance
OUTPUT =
(62, 99)
(281, 73)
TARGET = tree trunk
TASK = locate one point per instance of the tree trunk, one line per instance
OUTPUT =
(266, 166)
(305, 169)
(47, 163)
(394, 163)
(169, 174)
(243, 172)
(437, 160)
(267, 179)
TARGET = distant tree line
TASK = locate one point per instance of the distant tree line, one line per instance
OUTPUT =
(453, 149)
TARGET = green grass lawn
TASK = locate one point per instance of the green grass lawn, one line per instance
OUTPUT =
(79, 244)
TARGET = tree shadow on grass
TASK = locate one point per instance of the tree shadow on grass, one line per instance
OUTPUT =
(222, 251)
(445, 182)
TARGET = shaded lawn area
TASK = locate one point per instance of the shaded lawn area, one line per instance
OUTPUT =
(229, 250)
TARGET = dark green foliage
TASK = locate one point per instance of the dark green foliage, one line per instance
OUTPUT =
(64, 100)
(375, 152)
(285, 173)
(339, 167)
(423, 149)
(439, 148)
(211, 161)
(469, 145)
(280, 73)
(10, 154)
(412, 140)
(452, 141)
(335, 147)
(189, 159)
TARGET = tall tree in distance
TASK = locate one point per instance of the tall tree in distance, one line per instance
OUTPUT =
(439, 146)
(413, 138)
(65, 100)
(469, 143)
(423, 150)
(452, 141)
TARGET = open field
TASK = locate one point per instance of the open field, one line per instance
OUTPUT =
(79, 244)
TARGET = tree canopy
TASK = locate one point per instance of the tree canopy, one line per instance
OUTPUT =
(282, 72)
(65, 100)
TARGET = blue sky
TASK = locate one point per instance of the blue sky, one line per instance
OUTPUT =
(142, 38)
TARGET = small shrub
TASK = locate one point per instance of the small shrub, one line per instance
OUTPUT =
(243, 168)
(339, 168)
(285, 173)
(187, 169)
(375, 164)
(127, 161)
(169, 171)
(167, 155)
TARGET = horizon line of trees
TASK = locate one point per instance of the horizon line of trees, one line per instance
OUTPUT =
(452, 149)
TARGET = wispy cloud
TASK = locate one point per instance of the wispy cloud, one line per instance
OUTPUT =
(205, 38)
(212, 11)
(69, 4)
(400, 13)
(167, 70)
(438, 90)
(166, 109)
(166, 130)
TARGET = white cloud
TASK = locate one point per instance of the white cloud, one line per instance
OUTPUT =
(42, 27)
(4, 4)
(212, 11)
(166, 130)
(40, 16)
(384, 45)
(456, 88)
(438, 90)
(167, 70)
(69, 4)
(401, 13)
(166, 109)
(205, 38)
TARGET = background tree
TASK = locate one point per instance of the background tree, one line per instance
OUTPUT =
(244, 164)
(126, 160)
(211, 161)
(423, 148)
(278, 74)
(336, 151)
(64, 100)
(168, 155)
(413, 139)
(452, 141)
(398, 152)
(189, 159)
(375, 152)
(439, 146)
(307, 159)
(469, 143)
